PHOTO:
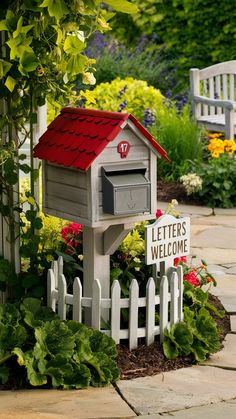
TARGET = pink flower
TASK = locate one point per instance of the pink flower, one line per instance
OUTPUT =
(180, 259)
(159, 213)
(192, 278)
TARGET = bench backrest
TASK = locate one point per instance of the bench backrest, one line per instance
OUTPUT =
(215, 82)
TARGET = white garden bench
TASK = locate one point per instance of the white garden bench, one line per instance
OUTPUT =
(213, 97)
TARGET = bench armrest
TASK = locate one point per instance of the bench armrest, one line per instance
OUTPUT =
(227, 104)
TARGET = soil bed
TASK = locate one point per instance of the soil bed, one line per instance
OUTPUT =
(166, 191)
(150, 360)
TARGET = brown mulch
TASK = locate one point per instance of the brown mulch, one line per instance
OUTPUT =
(166, 191)
(150, 360)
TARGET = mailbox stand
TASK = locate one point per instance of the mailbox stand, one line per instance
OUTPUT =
(99, 169)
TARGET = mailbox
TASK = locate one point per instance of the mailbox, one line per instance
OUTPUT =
(125, 189)
(99, 168)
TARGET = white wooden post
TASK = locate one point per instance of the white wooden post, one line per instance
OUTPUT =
(95, 265)
(96, 305)
(174, 298)
(133, 314)
(51, 302)
(115, 311)
(77, 297)
(181, 290)
(62, 289)
(150, 311)
(163, 306)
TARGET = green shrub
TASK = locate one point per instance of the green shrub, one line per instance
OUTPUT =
(218, 181)
(63, 354)
(128, 95)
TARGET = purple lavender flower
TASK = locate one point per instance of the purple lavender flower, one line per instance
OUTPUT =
(122, 105)
(121, 92)
(149, 118)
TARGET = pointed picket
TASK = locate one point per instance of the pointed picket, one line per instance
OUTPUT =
(174, 298)
(163, 306)
(62, 289)
(133, 314)
(77, 300)
(54, 267)
(115, 311)
(96, 305)
(150, 311)
(181, 292)
(51, 302)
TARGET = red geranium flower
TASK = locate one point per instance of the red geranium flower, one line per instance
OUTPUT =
(192, 278)
(159, 213)
(180, 259)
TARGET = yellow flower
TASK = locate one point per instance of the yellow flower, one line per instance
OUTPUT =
(230, 146)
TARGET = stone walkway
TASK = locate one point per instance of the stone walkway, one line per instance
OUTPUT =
(207, 390)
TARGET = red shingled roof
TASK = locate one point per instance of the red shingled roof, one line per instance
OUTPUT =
(77, 136)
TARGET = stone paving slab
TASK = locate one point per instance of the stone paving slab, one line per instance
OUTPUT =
(229, 303)
(226, 285)
(226, 358)
(214, 256)
(63, 404)
(223, 410)
(207, 236)
(233, 324)
(180, 389)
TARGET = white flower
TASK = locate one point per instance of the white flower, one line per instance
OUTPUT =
(192, 183)
(88, 78)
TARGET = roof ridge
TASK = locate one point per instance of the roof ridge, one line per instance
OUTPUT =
(96, 112)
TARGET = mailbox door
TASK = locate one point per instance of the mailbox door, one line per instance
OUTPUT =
(126, 190)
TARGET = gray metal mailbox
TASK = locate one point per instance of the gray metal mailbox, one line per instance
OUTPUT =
(125, 189)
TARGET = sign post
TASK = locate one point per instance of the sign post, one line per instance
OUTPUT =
(165, 240)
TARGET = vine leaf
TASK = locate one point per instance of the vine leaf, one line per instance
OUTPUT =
(10, 83)
(56, 8)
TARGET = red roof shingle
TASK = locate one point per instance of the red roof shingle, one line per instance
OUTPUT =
(77, 136)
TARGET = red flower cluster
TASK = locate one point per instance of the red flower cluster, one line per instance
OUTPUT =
(159, 213)
(70, 234)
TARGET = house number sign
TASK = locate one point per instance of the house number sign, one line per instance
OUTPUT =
(166, 239)
(123, 148)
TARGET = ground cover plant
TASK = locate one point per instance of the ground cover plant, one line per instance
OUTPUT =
(46, 351)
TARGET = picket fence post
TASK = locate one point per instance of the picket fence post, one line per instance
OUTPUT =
(96, 305)
(133, 314)
(115, 311)
(62, 290)
(77, 300)
(173, 299)
(150, 311)
(163, 306)
(179, 271)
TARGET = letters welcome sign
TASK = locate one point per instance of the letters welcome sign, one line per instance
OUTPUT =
(166, 239)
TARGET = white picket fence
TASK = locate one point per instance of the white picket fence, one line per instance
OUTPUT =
(170, 302)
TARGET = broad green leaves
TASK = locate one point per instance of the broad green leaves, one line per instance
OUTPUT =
(66, 354)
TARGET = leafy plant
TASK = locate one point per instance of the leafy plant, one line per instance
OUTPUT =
(197, 334)
(218, 182)
(179, 135)
(63, 354)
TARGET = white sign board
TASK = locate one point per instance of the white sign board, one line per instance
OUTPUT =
(167, 239)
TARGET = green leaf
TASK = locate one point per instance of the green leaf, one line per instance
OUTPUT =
(4, 68)
(25, 168)
(21, 29)
(183, 337)
(122, 6)
(4, 374)
(170, 349)
(76, 64)
(10, 83)
(19, 46)
(73, 45)
(55, 338)
(56, 8)
(28, 62)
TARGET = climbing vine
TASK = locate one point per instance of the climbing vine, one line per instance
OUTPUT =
(42, 45)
